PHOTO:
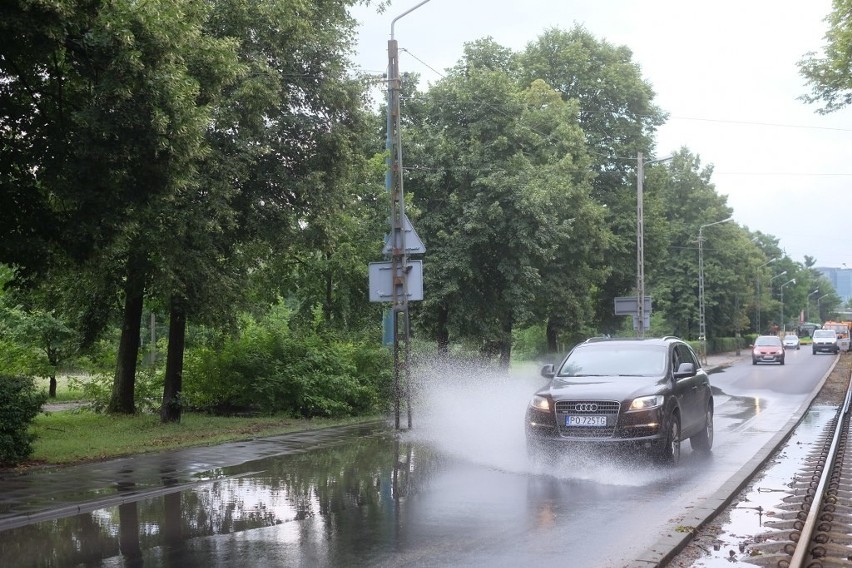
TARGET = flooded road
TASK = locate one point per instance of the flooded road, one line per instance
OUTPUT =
(456, 490)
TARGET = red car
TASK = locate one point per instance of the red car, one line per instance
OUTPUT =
(767, 349)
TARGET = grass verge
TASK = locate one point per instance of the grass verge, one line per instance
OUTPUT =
(68, 437)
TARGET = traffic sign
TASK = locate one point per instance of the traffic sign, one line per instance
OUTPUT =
(381, 281)
(413, 244)
(628, 306)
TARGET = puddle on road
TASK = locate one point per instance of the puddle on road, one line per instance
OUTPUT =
(353, 503)
(727, 540)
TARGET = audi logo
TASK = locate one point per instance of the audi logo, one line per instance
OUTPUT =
(586, 407)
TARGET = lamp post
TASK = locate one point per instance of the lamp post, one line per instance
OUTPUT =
(819, 311)
(640, 241)
(808, 305)
(702, 322)
(757, 278)
(783, 323)
(779, 275)
(399, 259)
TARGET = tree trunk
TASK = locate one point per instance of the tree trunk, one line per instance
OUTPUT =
(552, 336)
(506, 343)
(329, 291)
(124, 385)
(53, 361)
(442, 333)
(171, 409)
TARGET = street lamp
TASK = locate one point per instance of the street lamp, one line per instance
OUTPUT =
(779, 275)
(783, 323)
(702, 322)
(640, 241)
(757, 277)
(808, 305)
(819, 311)
(399, 258)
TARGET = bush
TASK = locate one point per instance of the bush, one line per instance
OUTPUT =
(20, 403)
(269, 368)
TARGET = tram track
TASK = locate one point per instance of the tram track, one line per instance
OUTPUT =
(807, 521)
(814, 528)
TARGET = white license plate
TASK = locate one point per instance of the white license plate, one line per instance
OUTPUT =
(585, 420)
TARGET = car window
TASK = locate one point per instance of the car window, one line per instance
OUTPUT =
(825, 333)
(686, 355)
(767, 341)
(614, 360)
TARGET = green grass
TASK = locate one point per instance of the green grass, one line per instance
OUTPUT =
(79, 436)
(68, 387)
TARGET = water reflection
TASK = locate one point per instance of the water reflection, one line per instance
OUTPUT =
(318, 508)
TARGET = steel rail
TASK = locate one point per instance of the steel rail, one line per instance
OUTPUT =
(803, 546)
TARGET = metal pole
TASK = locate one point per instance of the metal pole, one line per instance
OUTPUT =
(398, 295)
(808, 306)
(702, 322)
(757, 303)
(702, 327)
(640, 248)
(399, 257)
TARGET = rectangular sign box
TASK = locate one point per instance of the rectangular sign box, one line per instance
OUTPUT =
(381, 281)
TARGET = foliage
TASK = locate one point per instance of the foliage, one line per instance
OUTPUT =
(97, 390)
(830, 75)
(270, 368)
(20, 403)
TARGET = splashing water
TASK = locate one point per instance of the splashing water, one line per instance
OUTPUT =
(476, 413)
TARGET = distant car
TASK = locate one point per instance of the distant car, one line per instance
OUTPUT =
(791, 341)
(767, 349)
(825, 341)
(644, 393)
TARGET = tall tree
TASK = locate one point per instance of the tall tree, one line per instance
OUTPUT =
(618, 117)
(501, 180)
(830, 73)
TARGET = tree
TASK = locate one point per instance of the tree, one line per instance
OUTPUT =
(618, 118)
(830, 75)
(501, 182)
(281, 148)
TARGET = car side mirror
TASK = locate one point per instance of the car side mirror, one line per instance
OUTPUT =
(548, 371)
(685, 370)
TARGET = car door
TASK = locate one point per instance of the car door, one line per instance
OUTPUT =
(694, 392)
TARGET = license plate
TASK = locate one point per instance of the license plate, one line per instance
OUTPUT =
(585, 420)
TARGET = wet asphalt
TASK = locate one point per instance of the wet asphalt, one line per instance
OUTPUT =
(42, 494)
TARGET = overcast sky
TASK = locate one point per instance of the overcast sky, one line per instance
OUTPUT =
(726, 73)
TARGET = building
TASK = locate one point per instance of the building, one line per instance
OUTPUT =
(841, 279)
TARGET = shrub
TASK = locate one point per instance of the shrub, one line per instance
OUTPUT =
(20, 403)
(269, 368)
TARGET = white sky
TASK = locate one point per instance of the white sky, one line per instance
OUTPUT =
(726, 73)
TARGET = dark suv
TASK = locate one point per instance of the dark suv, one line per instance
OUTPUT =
(649, 393)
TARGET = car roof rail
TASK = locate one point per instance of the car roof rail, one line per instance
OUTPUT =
(596, 339)
(668, 337)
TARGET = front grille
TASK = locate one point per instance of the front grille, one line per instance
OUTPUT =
(608, 408)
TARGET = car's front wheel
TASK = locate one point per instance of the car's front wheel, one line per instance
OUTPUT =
(669, 450)
(703, 441)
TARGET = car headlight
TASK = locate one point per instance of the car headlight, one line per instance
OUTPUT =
(540, 402)
(646, 402)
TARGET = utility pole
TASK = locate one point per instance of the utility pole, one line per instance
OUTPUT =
(399, 299)
(398, 251)
(640, 246)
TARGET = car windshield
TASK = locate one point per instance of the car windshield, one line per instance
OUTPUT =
(824, 333)
(606, 359)
(768, 340)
